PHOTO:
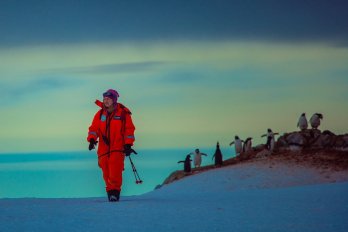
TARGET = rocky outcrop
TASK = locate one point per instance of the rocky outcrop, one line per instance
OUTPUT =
(177, 175)
(312, 139)
(174, 176)
(311, 146)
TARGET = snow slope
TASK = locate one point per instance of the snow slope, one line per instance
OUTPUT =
(255, 196)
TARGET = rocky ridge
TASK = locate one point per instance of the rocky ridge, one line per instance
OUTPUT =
(323, 150)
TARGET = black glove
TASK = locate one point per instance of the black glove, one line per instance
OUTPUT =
(128, 150)
(92, 144)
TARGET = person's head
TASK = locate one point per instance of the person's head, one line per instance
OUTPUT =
(236, 137)
(303, 114)
(110, 98)
(269, 130)
(197, 150)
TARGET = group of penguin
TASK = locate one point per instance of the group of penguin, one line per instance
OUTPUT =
(246, 146)
(314, 121)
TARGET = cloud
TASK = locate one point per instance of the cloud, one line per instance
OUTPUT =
(25, 90)
(113, 68)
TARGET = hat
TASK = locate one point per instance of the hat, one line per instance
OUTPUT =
(113, 94)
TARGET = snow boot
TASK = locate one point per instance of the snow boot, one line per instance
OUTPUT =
(113, 195)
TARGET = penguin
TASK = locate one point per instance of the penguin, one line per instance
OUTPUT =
(238, 145)
(270, 139)
(315, 120)
(197, 160)
(302, 122)
(247, 145)
(187, 163)
(218, 155)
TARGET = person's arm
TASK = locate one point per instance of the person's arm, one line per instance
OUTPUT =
(263, 135)
(99, 103)
(94, 127)
(231, 143)
(129, 129)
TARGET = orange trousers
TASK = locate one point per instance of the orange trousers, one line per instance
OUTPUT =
(112, 166)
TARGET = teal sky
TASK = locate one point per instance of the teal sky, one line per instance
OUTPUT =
(192, 72)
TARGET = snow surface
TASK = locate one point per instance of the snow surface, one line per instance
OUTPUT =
(246, 197)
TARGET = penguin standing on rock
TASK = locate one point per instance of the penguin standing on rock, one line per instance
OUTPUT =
(315, 120)
(197, 160)
(218, 156)
(238, 145)
(247, 145)
(302, 122)
(270, 139)
(187, 164)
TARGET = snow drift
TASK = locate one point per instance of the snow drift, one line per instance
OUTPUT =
(262, 195)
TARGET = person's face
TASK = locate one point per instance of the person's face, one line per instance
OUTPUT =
(108, 102)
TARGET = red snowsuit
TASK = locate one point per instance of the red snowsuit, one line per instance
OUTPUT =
(113, 130)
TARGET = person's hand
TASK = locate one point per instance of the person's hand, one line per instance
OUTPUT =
(92, 144)
(128, 150)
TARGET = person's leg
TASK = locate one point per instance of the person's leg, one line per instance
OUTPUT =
(115, 170)
(103, 164)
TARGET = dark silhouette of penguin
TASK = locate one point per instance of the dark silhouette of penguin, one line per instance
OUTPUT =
(187, 163)
(247, 145)
(218, 155)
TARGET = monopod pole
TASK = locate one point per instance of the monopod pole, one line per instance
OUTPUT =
(136, 174)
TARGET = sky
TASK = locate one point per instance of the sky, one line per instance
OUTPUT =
(191, 72)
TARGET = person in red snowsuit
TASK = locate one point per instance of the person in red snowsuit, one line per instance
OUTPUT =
(113, 128)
